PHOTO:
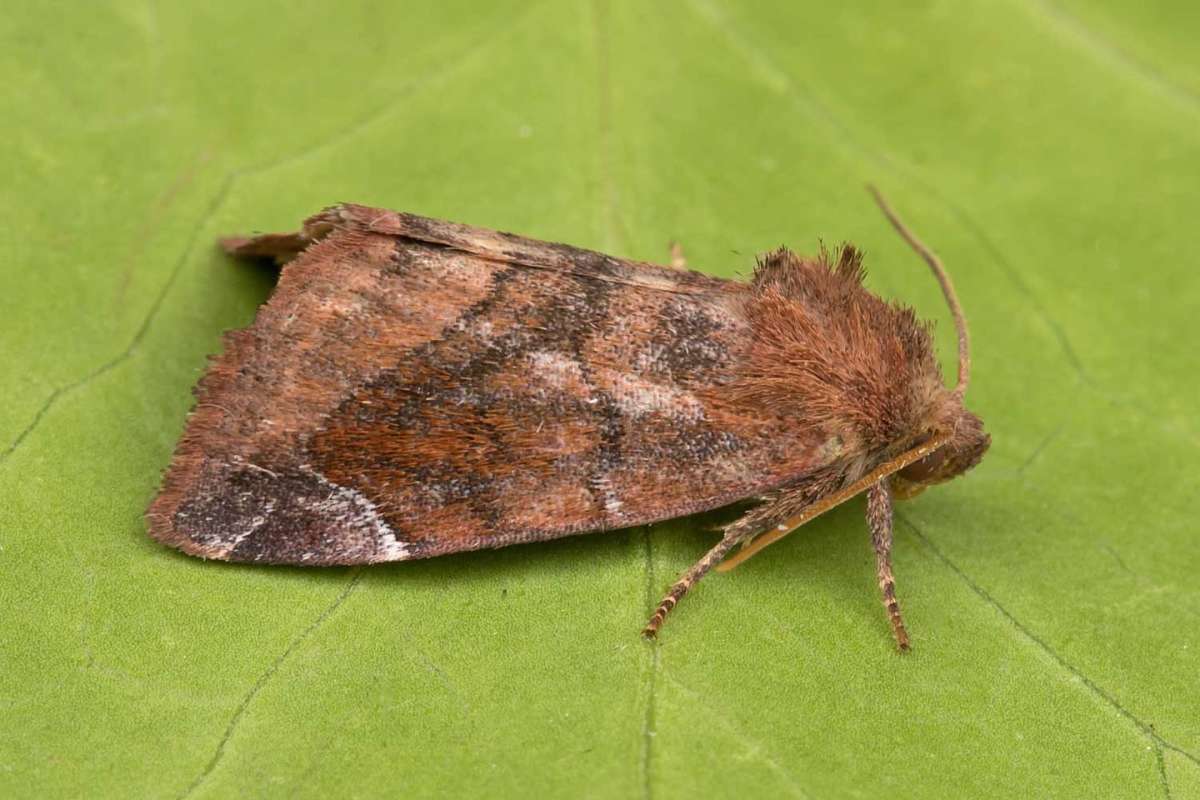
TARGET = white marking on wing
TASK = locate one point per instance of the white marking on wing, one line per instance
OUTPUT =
(353, 509)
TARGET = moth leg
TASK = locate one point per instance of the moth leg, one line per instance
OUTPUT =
(879, 519)
(678, 261)
(731, 539)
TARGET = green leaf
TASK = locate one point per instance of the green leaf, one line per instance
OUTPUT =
(1049, 151)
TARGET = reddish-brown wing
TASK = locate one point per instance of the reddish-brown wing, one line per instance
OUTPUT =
(415, 387)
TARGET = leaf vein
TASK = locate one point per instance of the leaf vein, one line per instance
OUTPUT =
(754, 747)
(218, 200)
(140, 334)
(263, 679)
(1144, 727)
(649, 721)
(1067, 24)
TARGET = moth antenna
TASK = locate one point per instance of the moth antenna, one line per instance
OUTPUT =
(943, 279)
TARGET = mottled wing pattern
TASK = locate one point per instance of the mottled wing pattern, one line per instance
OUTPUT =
(415, 387)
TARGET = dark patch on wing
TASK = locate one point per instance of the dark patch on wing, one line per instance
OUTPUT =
(285, 517)
(691, 349)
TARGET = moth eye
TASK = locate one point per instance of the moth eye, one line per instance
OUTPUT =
(928, 468)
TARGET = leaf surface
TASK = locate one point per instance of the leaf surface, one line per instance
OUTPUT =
(1049, 151)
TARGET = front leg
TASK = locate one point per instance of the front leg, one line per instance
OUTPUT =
(879, 518)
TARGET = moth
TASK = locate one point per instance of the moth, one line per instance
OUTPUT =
(415, 387)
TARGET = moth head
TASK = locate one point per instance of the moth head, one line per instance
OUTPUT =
(961, 432)
(965, 444)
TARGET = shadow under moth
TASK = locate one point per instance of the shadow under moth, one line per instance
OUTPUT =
(415, 387)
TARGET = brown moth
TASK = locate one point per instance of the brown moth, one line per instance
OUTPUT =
(415, 387)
